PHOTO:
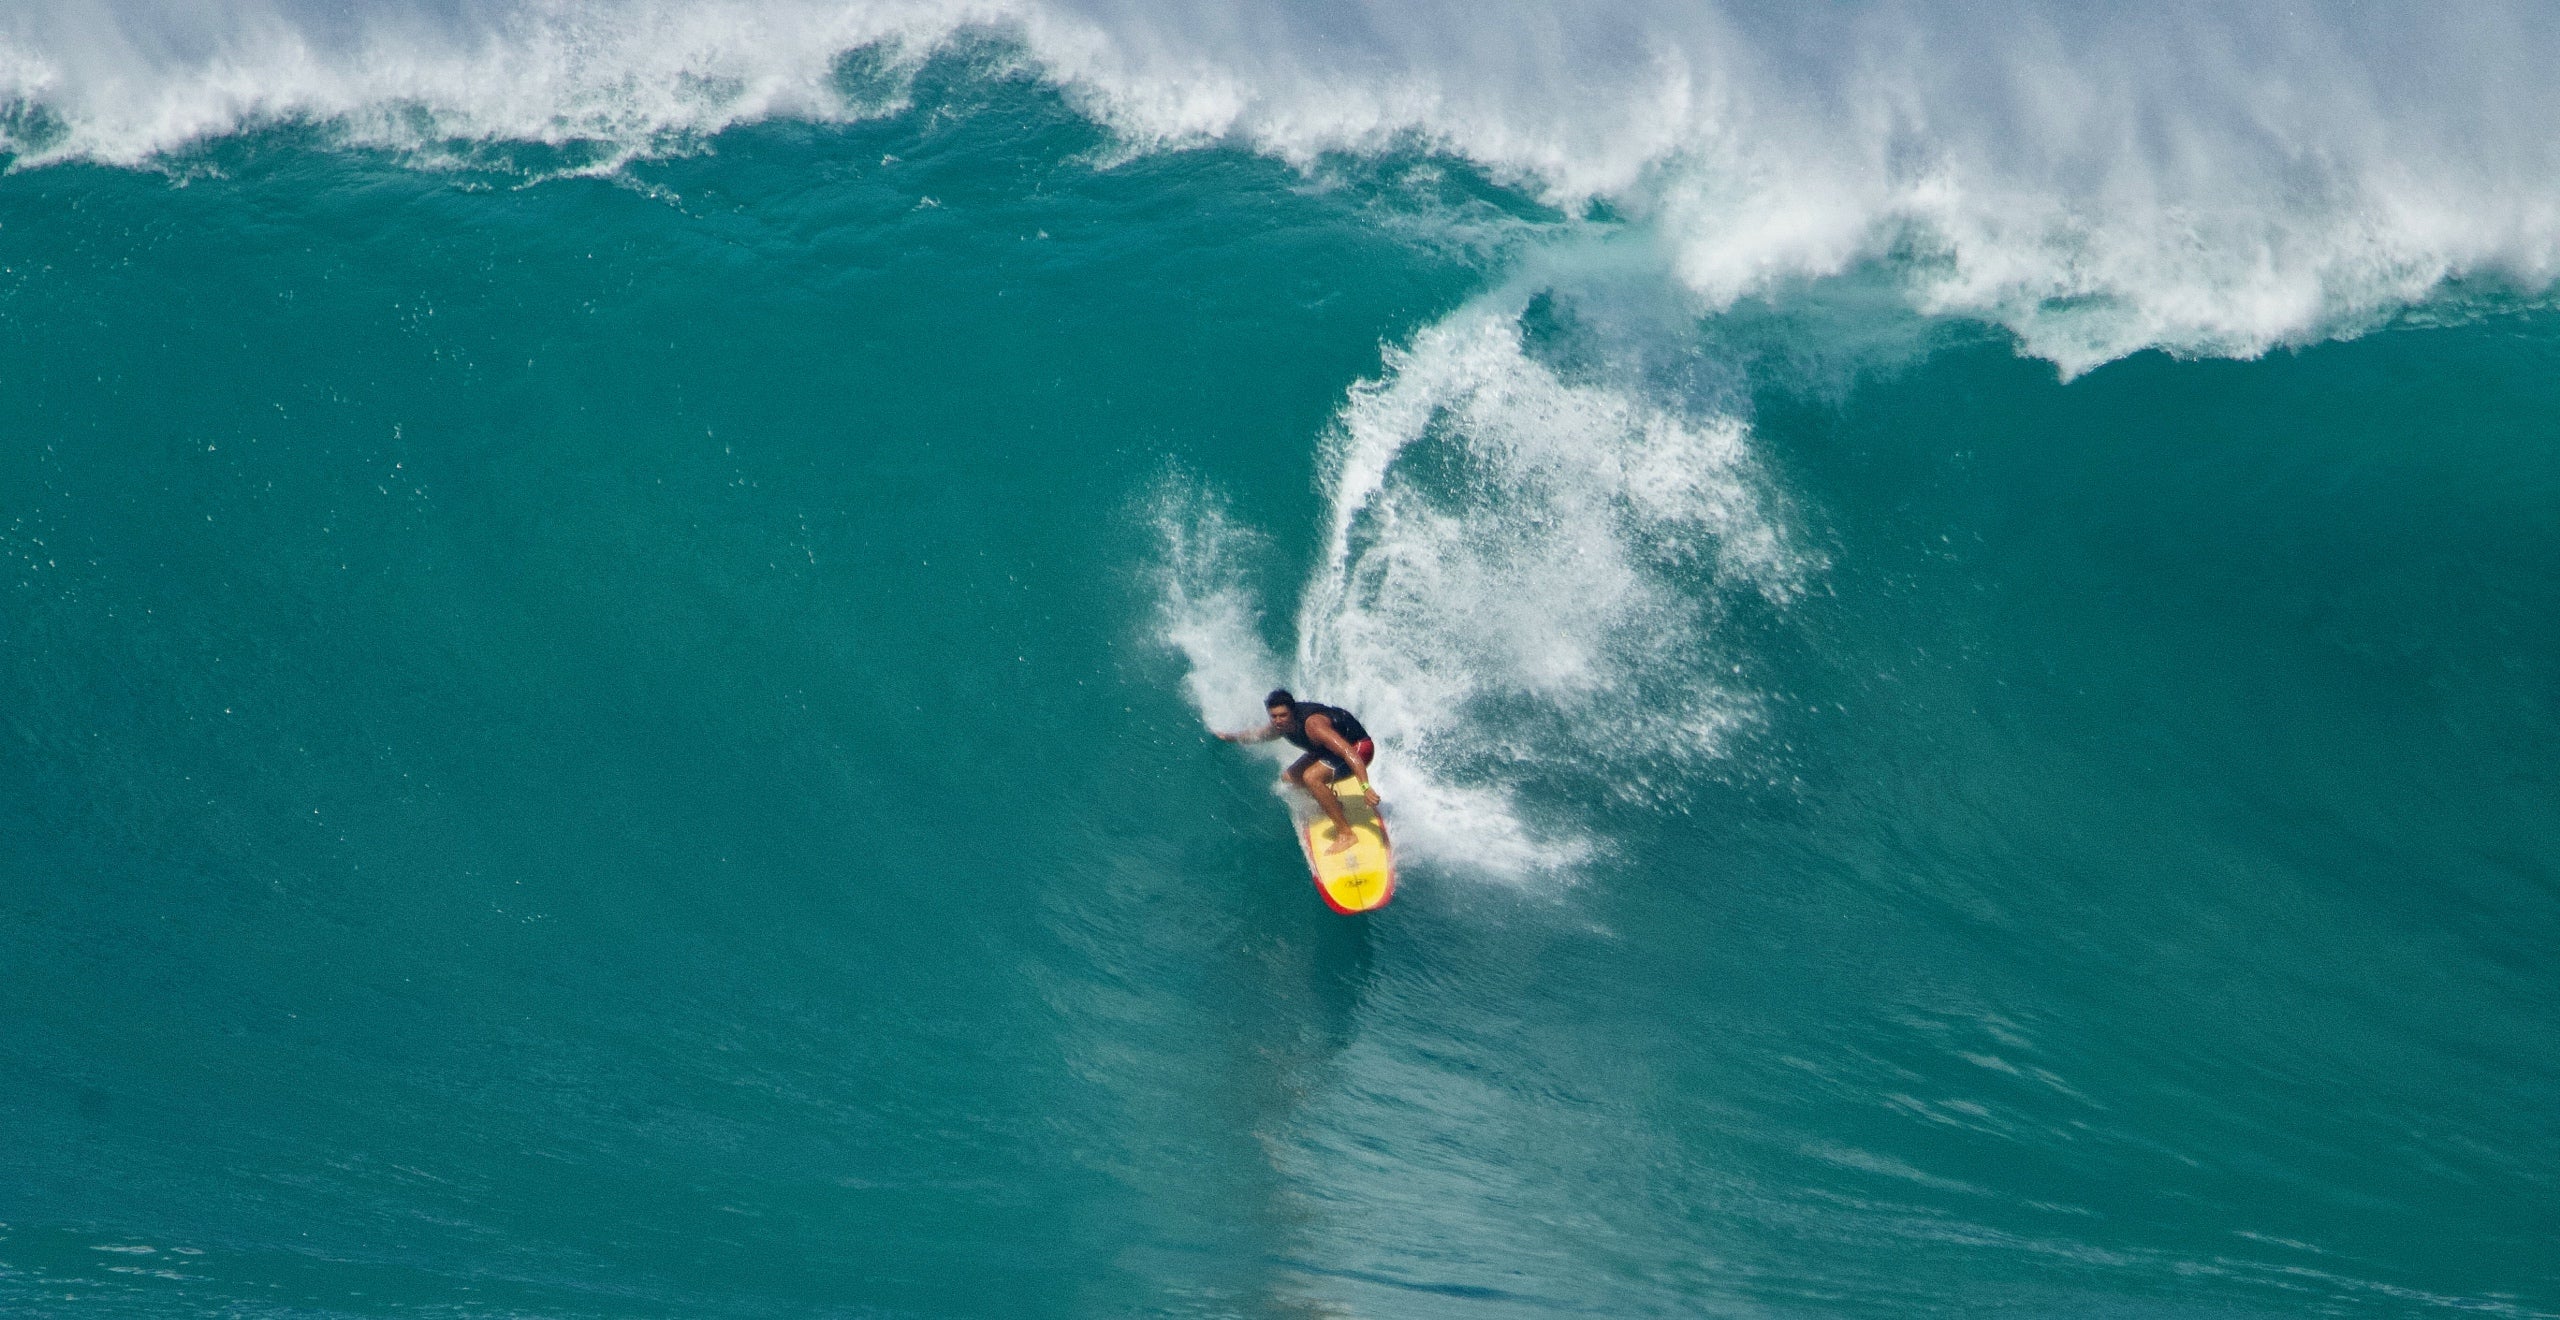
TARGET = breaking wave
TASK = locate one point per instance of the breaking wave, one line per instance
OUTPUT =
(2208, 182)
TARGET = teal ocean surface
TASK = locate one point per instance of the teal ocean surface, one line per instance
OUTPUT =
(610, 617)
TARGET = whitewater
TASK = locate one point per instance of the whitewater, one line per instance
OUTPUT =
(613, 613)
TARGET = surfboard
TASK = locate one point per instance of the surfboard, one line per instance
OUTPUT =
(1360, 878)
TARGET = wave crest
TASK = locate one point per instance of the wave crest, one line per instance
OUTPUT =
(2194, 178)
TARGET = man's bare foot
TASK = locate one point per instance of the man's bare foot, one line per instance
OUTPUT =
(1342, 840)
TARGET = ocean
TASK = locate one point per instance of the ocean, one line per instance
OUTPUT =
(611, 616)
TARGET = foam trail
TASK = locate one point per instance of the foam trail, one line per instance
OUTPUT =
(1518, 592)
(1521, 582)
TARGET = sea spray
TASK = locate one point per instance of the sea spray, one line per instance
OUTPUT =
(1519, 586)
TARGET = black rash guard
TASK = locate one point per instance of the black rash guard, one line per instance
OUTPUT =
(1344, 723)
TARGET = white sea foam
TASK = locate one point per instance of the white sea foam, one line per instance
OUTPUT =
(1519, 586)
(1206, 608)
(2208, 179)
(125, 83)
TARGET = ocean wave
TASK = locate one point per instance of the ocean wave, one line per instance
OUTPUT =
(2195, 179)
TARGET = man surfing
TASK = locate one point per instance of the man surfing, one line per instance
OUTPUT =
(1335, 745)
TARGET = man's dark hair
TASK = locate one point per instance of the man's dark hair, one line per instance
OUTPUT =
(1280, 697)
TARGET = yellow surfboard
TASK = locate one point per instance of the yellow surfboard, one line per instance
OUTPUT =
(1362, 877)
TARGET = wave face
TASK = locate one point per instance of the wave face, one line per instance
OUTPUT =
(612, 613)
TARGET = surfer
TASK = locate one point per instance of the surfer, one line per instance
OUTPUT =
(1335, 745)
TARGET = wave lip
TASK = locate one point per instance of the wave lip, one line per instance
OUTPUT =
(128, 84)
(2192, 178)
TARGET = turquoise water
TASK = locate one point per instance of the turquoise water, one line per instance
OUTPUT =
(617, 726)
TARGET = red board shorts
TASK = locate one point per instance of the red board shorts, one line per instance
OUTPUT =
(1367, 748)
